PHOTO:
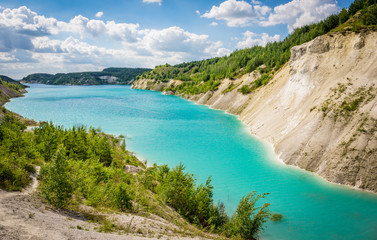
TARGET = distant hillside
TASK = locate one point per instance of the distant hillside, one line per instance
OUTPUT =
(10, 80)
(9, 88)
(107, 76)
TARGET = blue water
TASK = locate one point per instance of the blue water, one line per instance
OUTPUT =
(168, 130)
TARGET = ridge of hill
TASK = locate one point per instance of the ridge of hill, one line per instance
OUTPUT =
(106, 76)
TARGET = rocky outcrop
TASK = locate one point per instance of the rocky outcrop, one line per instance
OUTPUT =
(319, 110)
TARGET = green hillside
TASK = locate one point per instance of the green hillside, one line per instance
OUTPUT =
(9, 88)
(202, 76)
(107, 76)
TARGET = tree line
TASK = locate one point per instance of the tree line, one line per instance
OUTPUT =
(202, 76)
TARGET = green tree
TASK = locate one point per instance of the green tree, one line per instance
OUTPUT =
(343, 16)
(55, 185)
(248, 219)
(122, 198)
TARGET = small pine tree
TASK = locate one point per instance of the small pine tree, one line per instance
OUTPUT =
(55, 185)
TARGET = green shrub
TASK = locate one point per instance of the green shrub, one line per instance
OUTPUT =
(247, 222)
(245, 90)
(12, 176)
(55, 180)
(122, 198)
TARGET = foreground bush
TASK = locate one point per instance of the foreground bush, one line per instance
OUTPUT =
(16, 154)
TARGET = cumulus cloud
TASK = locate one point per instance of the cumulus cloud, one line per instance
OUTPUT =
(251, 39)
(175, 39)
(238, 13)
(234, 13)
(99, 14)
(262, 10)
(153, 1)
(29, 37)
(297, 13)
(7, 57)
(214, 24)
(23, 20)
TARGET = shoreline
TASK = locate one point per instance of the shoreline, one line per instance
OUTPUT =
(270, 147)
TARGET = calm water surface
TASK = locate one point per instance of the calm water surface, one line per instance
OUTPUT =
(168, 130)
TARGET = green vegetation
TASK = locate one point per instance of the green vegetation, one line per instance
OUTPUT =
(107, 76)
(245, 89)
(203, 76)
(9, 88)
(16, 153)
(248, 219)
(80, 166)
(344, 101)
(364, 17)
(56, 186)
(6, 79)
(12, 85)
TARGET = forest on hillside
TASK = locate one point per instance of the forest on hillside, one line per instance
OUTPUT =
(202, 76)
(107, 76)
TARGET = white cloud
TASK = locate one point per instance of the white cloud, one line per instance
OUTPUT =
(23, 20)
(298, 13)
(27, 37)
(153, 1)
(251, 39)
(222, 52)
(234, 13)
(262, 10)
(256, 2)
(177, 40)
(7, 57)
(238, 13)
(214, 24)
(197, 12)
(99, 14)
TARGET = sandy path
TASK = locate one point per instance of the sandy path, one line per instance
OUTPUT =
(24, 216)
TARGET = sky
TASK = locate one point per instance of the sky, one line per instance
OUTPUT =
(47, 36)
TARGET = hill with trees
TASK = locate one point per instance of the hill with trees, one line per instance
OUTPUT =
(206, 75)
(106, 76)
(9, 88)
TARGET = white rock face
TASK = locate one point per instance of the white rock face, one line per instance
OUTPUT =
(109, 79)
(301, 110)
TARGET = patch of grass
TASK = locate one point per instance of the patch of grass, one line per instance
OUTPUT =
(105, 225)
(343, 103)
(231, 87)
(245, 89)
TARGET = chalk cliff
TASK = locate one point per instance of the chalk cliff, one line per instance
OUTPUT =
(319, 110)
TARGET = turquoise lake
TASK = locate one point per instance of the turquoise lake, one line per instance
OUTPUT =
(169, 130)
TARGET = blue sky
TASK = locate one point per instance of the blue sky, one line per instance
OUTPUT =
(77, 35)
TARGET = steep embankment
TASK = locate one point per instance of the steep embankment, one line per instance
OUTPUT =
(9, 89)
(319, 111)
